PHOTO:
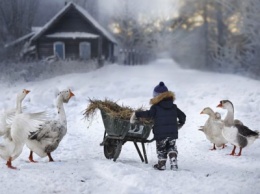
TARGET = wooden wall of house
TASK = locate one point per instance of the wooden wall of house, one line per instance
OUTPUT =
(45, 47)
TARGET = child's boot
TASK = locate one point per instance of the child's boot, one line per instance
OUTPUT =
(160, 165)
(173, 161)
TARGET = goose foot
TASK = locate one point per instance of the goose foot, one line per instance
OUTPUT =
(31, 158)
(233, 153)
(9, 164)
(50, 158)
(240, 152)
(33, 161)
(214, 147)
(11, 167)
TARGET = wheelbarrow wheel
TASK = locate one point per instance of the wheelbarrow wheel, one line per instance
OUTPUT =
(112, 148)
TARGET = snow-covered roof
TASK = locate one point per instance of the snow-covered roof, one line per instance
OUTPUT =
(84, 13)
(27, 36)
(73, 35)
(36, 28)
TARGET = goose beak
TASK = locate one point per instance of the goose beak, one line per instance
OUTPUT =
(27, 91)
(220, 105)
(201, 112)
(71, 94)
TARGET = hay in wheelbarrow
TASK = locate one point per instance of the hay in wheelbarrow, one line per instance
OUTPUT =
(113, 109)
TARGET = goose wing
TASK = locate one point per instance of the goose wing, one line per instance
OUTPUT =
(8, 117)
(4, 126)
(245, 131)
(37, 116)
(10, 114)
(49, 130)
(47, 138)
(22, 125)
(230, 134)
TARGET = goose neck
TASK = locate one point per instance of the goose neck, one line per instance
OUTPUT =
(18, 106)
(61, 111)
(229, 120)
(211, 114)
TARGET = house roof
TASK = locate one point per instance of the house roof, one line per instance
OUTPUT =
(23, 38)
(84, 13)
(72, 35)
(27, 36)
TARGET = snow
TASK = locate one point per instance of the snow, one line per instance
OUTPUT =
(73, 35)
(80, 165)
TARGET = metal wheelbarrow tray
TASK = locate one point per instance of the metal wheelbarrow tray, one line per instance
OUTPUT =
(119, 131)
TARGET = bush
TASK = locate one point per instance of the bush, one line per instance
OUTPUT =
(34, 71)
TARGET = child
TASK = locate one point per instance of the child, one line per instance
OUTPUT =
(168, 118)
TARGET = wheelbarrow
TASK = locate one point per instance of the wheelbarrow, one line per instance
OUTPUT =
(119, 131)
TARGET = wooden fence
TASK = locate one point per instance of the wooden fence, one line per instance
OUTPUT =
(133, 57)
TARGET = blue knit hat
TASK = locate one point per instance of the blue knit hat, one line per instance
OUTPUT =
(159, 89)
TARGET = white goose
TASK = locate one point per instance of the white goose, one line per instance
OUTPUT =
(213, 128)
(234, 131)
(47, 138)
(15, 134)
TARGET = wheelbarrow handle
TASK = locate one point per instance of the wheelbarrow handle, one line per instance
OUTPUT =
(150, 140)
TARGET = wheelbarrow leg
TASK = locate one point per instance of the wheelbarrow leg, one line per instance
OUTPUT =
(138, 150)
(145, 156)
(119, 144)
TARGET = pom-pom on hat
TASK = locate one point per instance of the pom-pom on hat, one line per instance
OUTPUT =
(159, 89)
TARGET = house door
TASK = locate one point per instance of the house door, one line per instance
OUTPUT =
(85, 50)
(59, 50)
(110, 51)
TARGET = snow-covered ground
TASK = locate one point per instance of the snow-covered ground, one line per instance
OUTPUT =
(80, 165)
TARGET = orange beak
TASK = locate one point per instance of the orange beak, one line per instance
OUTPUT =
(220, 105)
(71, 94)
(27, 91)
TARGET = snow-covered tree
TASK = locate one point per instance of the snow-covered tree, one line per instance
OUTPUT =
(90, 5)
(17, 17)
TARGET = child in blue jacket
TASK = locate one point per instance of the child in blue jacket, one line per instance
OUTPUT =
(168, 118)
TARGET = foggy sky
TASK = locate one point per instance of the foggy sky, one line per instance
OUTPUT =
(153, 7)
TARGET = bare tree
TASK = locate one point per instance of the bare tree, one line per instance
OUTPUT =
(250, 28)
(90, 5)
(131, 31)
(46, 10)
(17, 16)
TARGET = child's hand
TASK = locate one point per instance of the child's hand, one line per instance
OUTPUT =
(133, 118)
(180, 126)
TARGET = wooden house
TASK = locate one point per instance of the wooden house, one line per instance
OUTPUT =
(71, 34)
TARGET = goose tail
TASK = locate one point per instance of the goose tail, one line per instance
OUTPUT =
(201, 128)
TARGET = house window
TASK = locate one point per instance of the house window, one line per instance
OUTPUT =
(85, 50)
(59, 50)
